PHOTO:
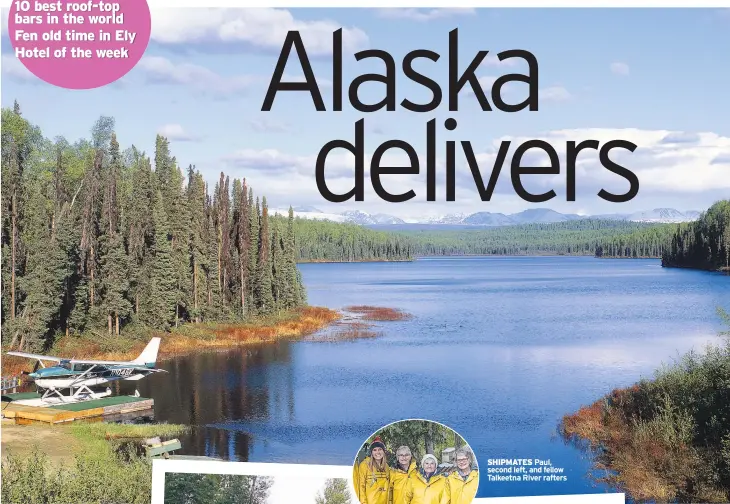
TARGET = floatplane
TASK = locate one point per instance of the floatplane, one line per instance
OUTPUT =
(78, 375)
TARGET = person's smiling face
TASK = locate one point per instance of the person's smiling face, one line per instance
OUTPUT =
(404, 459)
(429, 466)
(462, 462)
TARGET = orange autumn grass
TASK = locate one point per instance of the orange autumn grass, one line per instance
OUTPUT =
(629, 457)
(189, 338)
(378, 313)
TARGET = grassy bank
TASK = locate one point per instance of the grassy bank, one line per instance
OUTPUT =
(666, 439)
(101, 464)
(187, 338)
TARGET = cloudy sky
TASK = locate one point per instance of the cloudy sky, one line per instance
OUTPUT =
(655, 77)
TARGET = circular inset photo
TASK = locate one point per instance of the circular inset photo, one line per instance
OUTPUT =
(415, 462)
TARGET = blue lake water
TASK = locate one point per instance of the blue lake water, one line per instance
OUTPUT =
(499, 349)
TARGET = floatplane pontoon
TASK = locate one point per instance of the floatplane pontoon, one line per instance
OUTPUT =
(78, 376)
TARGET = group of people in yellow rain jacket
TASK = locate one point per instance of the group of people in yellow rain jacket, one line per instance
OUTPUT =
(404, 483)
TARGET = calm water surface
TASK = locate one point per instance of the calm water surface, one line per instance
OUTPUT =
(499, 349)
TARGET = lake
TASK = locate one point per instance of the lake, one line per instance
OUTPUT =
(499, 349)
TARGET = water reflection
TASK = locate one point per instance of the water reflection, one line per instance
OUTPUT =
(253, 384)
(498, 348)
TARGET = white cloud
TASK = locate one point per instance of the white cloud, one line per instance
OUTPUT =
(514, 90)
(671, 167)
(492, 59)
(159, 70)
(675, 174)
(486, 82)
(722, 159)
(555, 93)
(175, 132)
(424, 14)
(620, 68)
(322, 82)
(13, 69)
(262, 28)
(5, 17)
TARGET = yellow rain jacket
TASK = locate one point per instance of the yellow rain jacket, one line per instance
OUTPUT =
(460, 490)
(419, 491)
(398, 482)
(356, 476)
(356, 479)
(374, 485)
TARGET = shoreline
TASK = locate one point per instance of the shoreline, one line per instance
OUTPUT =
(661, 439)
(186, 339)
(723, 269)
(348, 323)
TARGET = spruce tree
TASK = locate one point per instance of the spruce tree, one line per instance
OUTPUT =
(159, 311)
(253, 260)
(196, 206)
(264, 295)
(139, 228)
(223, 209)
(244, 246)
(293, 287)
(163, 171)
(41, 286)
(113, 263)
(213, 304)
(179, 218)
(278, 266)
(93, 236)
(114, 269)
(89, 239)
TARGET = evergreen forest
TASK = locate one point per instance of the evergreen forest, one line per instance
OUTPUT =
(96, 237)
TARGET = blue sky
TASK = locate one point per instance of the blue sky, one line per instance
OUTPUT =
(656, 77)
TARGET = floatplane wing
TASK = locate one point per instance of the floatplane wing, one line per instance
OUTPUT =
(145, 361)
(72, 361)
(37, 356)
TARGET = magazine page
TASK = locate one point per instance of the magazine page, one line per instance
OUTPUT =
(374, 253)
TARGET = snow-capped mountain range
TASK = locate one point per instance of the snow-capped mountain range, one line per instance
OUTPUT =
(489, 219)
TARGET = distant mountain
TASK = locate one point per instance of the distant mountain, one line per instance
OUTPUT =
(485, 219)
(365, 219)
(659, 215)
(316, 215)
(542, 215)
(306, 208)
(488, 219)
(445, 219)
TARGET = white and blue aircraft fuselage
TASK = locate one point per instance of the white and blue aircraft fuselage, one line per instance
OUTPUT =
(78, 375)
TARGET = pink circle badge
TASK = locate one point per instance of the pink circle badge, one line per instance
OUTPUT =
(79, 44)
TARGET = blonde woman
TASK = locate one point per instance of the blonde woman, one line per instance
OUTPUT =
(405, 467)
(374, 475)
(427, 485)
(464, 481)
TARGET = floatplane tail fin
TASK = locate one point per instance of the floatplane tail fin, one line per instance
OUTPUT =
(148, 357)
